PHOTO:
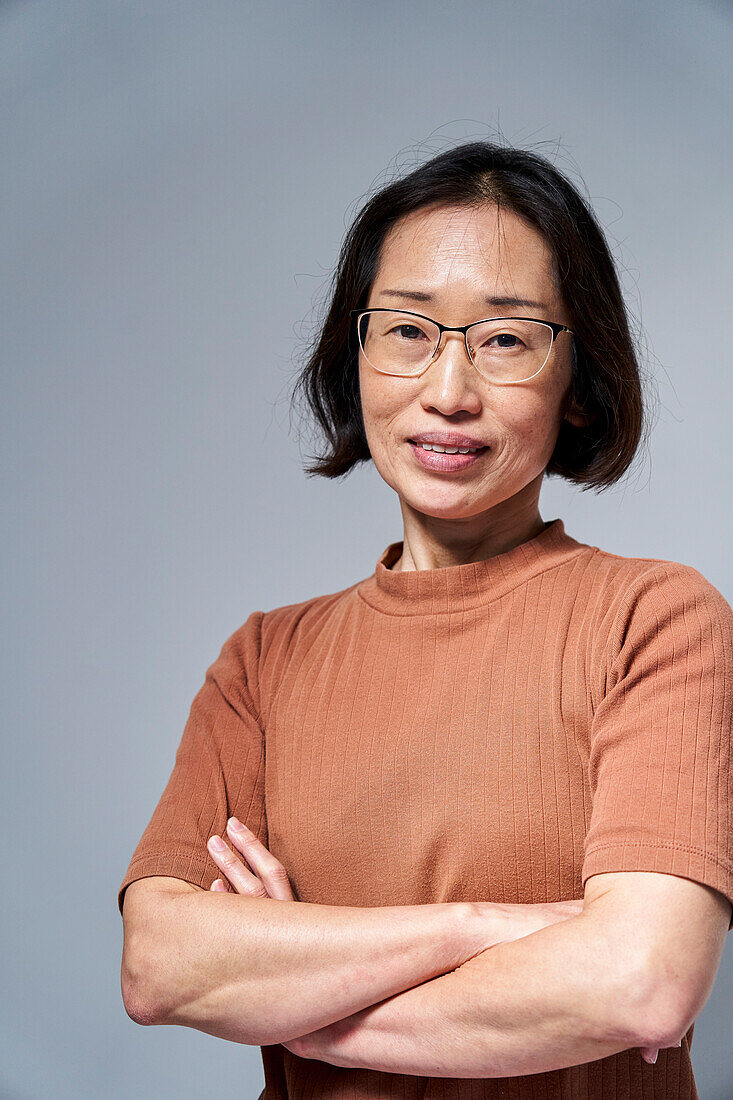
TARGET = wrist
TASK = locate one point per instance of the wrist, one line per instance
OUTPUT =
(474, 926)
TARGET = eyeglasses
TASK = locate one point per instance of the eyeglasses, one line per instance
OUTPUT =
(504, 350)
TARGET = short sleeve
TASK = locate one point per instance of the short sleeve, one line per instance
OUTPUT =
(660, 762)
(219, 770)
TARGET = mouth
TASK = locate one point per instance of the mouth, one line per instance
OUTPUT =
(434, 456)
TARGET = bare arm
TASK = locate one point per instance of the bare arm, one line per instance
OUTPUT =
(558, 997)
(257, 967)
(263, 970)
(633, 969)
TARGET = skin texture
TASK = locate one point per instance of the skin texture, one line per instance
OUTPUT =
(255, 967)
(403, 1033)
(259, 969)
(460, 256)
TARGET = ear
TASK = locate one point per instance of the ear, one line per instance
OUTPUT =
(574, 413)
(578, 418)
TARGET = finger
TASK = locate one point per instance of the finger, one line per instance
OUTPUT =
(243, 881)
(218, 886)
(649, 1054)
(267, 867)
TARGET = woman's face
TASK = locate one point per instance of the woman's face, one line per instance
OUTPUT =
(462, 258)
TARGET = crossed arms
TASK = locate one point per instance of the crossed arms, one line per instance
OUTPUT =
(422, 989)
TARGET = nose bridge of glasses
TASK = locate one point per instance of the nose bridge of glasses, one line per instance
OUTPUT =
(458, 334)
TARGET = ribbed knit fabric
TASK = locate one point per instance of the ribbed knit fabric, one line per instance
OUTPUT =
(499, 731)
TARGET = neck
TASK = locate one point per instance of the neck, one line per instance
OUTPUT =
(434, 544)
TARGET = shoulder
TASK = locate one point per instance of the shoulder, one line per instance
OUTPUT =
(650, 579)
(643, 613)
(659, 613)
(256, 656)
(288, 617)
(269, 634)
(630, 584)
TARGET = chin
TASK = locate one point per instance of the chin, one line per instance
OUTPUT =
(443, 506)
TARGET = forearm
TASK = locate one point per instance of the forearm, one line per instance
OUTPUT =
(558, 997)
(262, 971)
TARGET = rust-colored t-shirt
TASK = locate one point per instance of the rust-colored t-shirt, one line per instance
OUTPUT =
(499, 730)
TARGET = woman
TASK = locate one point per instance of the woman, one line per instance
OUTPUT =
(496, 770)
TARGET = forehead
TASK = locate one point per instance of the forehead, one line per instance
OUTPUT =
(446, 245)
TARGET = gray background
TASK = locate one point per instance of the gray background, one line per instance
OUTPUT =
(176, 181)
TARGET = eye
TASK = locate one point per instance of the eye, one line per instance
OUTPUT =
(407, 331)
(503, 340)
(505, 336)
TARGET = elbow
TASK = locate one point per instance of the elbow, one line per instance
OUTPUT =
(655, 1015)
(138, 1010)
(142, 966)
(659, 1030)
(140, 1005)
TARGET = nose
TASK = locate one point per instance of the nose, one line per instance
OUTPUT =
(451, 381)
(459, 349)
(451, 358)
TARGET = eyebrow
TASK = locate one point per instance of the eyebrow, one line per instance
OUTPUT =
(423, 296)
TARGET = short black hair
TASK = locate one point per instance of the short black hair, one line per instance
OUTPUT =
(606, 383)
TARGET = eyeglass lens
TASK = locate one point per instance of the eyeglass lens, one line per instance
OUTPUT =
(502, 349)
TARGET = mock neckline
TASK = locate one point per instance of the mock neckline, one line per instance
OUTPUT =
(462, 587)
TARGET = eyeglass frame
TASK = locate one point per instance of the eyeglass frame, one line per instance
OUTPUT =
(555, 327)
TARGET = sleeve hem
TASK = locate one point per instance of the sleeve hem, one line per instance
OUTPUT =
(667, 857)
(193, 867)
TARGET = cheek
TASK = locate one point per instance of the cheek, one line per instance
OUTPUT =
(526, 434)
(530, 414)
(382, 403)
(370, 395)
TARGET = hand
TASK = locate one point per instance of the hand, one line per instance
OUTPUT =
(649, 1054)
(270, 879)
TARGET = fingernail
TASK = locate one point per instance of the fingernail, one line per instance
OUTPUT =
(235, 823)
(656, 1055)
(217, 844)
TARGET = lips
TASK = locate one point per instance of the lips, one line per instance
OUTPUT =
(472, 445)
(442, 462)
